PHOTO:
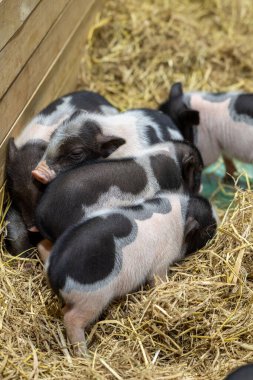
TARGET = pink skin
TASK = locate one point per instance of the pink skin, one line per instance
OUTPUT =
(43, 173)
(37, 131)
(84, 305)
(71, 318)
(218, 133)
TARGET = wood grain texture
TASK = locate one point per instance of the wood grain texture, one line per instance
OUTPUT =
(39, 64)
(13, 13)
(60, 78)
(22, 45)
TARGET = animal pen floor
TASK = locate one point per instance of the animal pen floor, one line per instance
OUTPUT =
(199, 324)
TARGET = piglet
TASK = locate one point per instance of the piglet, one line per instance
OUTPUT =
(86, 137)
(26, 151)
(115, 251)
(219, 123)
(77, 193)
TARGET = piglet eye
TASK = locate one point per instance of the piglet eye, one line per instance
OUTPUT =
(76, 154)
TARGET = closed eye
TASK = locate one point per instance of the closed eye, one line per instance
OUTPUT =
(77, 154)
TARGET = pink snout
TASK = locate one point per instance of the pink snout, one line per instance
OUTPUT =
(43, 173)
(33, 229)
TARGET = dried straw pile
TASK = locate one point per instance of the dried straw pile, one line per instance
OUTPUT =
(199, 324)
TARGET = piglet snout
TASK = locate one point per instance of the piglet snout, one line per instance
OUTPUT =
(33, 229)
(43, 173)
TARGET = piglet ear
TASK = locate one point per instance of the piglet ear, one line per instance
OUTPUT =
(188, 169)
(12, 149)
(191, 227)
(189, 117)
(176, 90)
(108, 144)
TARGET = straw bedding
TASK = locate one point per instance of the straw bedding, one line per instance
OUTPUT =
(199, 324)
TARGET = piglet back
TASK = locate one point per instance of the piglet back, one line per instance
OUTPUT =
(87, 252)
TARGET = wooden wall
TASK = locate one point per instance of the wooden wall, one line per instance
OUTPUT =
(40, 46)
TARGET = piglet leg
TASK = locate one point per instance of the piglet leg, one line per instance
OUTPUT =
(160, 276)
(230, 169)
(78, 315)
(44, 247)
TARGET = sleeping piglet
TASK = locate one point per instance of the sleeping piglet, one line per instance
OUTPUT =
(77, 193)
(26, 151)
(86, 137)
(219, 123)
(116, 251)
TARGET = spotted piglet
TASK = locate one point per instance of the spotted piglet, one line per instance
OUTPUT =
(86, 137)
(174, 166)
(218, 124)
(26, 151)
(115, 251)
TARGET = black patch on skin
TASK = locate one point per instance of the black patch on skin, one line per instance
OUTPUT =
(83, 186)
(88, 100)
(87, 251)
(200, 209)
(165, 133)
(85, 100)
(151, 135)
(146, 209)
(51, 107)
(244, 105)
(244, 372)
(217, 93)
(18, 239)
(89, 130)
(166, 172)
(24, 190)
(136, 208)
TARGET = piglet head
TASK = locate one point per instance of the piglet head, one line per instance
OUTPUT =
(200, 224)
(74, 151)
(25, 192)
(182, 115)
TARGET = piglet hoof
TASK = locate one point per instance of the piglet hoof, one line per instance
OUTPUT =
(80, 350)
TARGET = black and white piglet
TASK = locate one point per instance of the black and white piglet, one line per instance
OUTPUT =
(217, 124)
(26, 151)
(85, 137)
(76, 193)
(116, 251)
